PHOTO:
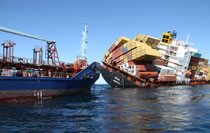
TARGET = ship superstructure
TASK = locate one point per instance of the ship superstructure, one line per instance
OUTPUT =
(177, 54)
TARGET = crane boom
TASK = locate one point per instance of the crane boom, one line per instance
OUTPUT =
(4, 29)
(51, 51)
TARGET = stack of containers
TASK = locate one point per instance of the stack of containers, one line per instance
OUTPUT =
(138, 53)
(199, 67)
(207, 72)
(193, 66)
(125, 50)
(203, 69)
(144, 70)
(151, 41)
(166, 73)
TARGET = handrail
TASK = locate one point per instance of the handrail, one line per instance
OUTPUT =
(35, 73)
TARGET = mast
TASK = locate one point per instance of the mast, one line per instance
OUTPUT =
(188, 36)
(84, 42)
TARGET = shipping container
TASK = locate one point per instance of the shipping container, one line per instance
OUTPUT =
(147, 75)
(167, 77)
(146, 68)
(197, 55)
(159, 62)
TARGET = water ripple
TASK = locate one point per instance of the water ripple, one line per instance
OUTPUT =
(177, 108)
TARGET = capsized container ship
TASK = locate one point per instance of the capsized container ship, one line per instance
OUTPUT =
(23, 78)
(146, 61)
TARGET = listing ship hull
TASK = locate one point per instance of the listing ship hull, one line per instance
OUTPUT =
(117, 78)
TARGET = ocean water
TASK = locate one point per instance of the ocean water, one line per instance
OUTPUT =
(105, 109)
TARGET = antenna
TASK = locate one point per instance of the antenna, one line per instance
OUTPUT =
(84, 43)
(188, 36)
(174, 33)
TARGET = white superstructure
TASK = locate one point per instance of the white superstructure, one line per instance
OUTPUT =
(178, 55)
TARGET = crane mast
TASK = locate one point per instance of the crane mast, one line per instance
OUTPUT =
(84, 42)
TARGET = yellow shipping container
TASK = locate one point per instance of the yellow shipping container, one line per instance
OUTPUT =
(125, 60)
(116, 43)
(133, 45)
(204, 69)
(147, 53)
(133, 53)
(144, 45)
(157, 41)
(125, 45)
(107, 60)
(128, 48)
(149, 40)
(122, 40)
(154, 46)
(145, 38)
(194, 68)
(107, 53)
(206, 61)
(133, 39)
(149, 44)
(121, 57)
(110, 55)
(138, 44)
(139, 48)
(140, 37)
(153, 40)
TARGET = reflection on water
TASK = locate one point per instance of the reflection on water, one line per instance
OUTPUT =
(179, 108)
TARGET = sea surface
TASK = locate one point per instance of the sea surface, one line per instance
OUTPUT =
(105, 109)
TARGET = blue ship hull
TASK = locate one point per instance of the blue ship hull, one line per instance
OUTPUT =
(38, 87)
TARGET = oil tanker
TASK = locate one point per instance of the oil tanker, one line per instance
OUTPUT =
(146, 61)
(24, 78)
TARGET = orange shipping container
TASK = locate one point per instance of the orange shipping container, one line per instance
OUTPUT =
(146, 68)
(159, 62)
(167, 77)
(147, 75)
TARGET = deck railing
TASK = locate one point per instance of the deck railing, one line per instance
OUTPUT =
(19, 73)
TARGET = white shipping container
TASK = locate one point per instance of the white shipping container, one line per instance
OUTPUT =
(201, 63)
(171, 65)
(165, 70)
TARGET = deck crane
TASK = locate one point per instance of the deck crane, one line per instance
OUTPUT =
(51, 52)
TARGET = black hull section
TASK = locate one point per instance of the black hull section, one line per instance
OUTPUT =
(115, 79)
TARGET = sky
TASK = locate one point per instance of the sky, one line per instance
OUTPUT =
(107, 20)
